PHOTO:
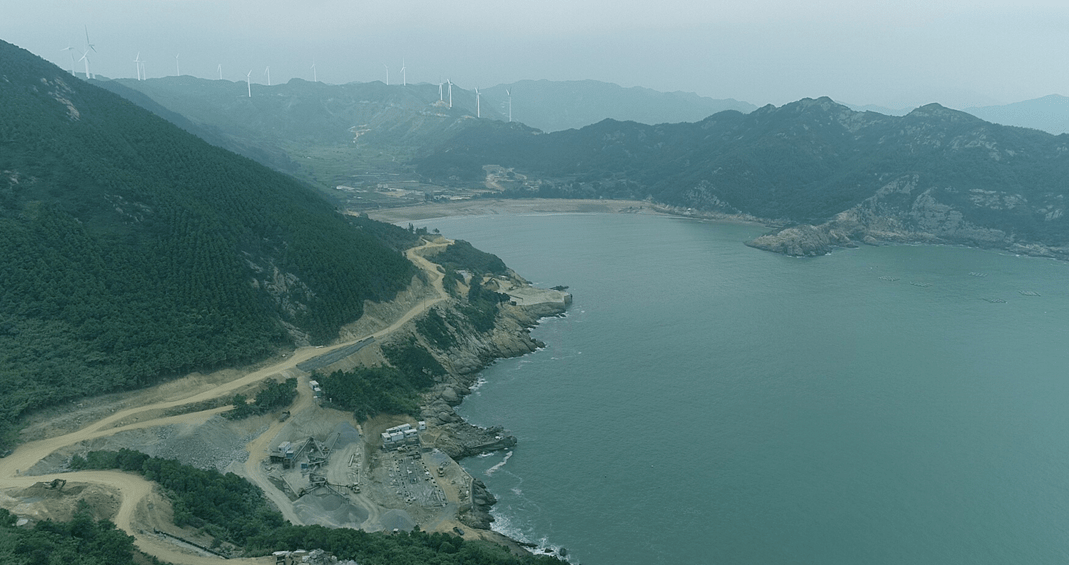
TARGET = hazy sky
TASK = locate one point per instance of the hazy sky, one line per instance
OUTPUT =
(893, 53)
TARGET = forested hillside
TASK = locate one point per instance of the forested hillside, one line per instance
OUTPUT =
(936, 171)
(81, 541)
(131, 250)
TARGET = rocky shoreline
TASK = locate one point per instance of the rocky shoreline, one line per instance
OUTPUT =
(510, 337)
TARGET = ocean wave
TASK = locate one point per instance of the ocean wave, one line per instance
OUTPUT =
(491, 470)
(506, 526)
(508, 522)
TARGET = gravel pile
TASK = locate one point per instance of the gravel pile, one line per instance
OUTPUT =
(212, 445)
(325, 508)
(397, 519)
(215, 444)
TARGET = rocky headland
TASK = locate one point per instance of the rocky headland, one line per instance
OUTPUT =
(901, 213)
(473, 351)
(510, 337)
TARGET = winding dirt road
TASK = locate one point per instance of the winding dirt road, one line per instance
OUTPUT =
(134, 489)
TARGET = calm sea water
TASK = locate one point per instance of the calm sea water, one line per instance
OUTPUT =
(704, 402)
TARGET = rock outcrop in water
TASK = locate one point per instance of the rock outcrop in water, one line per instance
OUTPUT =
(804, 241)
(477, 514)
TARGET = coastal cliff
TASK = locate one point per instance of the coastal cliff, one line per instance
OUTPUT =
(464, 350)
(474, 351)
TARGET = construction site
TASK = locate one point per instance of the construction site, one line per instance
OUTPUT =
(377, 481)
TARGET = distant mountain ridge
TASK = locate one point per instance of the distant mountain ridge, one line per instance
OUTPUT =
(559, 105)
(1049, 114)
(321, 133)
(302, 112)
(932, 175)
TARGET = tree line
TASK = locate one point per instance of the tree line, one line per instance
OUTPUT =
(273, 396)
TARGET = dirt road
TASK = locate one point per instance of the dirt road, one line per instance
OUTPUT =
(258, 447)
(134, 489)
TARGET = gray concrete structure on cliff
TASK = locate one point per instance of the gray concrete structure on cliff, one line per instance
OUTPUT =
(537, 301)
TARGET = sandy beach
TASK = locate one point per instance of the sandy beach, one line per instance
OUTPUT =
(489, 206)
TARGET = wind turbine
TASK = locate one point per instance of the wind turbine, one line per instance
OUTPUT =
(85, 57)
(387, 74)
(220, 68)
(137, 65)
(71, 49)
(177, 69)
(509, 93)
(248, 81)
(314, 77)
(267, 72)
(404, 80)
(450, 92)
(440, 85)
(478, 108)
(88, 46)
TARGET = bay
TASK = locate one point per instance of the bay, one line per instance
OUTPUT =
(705, 402)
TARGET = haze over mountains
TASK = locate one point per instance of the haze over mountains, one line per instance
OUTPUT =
(307, 128)
(957, 178)
(546, 105)
(553, 106)
(300, 110)
(1049, 114)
